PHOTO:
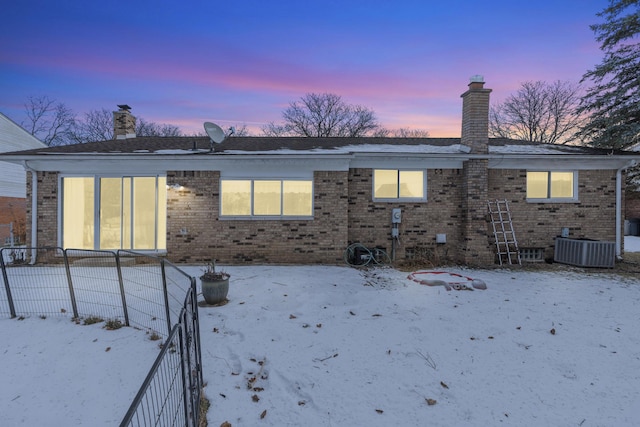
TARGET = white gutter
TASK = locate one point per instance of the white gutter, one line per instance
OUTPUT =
(34, 211)
(619, 207)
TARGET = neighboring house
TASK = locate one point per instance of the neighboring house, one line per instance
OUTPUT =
(632, 201)
(305, 200)
(13, 178)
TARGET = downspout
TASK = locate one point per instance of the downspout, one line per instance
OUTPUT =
(619, 208)
(34, 211)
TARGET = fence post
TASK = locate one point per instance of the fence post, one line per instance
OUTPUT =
(190, 342)
(12, 240)
(5, 278)
(125, 309)
(186, 374)
(166, 295)
(72, 294)
(195, 321)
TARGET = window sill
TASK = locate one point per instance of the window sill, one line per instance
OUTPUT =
(553, 201)
(265, 218)
(400, 200)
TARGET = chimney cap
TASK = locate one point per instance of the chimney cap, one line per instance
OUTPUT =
(476, 78)
(124, 107)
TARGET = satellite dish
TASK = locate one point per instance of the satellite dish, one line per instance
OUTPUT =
(215, 132)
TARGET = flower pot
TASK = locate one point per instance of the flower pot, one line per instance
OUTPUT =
(214, 291)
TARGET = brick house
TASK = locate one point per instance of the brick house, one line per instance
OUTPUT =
(13, 180)
(305, 200)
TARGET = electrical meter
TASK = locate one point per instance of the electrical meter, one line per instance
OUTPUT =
(396, 216)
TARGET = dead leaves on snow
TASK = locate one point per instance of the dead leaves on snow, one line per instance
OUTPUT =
(432, 402)
(251, 381)
(306, 325)
(253, 378)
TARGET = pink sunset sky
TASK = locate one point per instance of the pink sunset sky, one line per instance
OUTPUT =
(241, 63)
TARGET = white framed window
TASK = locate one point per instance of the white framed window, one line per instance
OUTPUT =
(399, 185)
(266, 198)
(108, 213)
(552, 186)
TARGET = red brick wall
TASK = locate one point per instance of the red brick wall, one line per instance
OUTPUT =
(12, 210)
(196, 234)
(345, 213)
(537, 224)
(370, 222)
(475, 118)
(47, 209)
(477, 248)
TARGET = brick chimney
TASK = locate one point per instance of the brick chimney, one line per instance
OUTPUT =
(475, 182)
(475, 116)
(124, 124)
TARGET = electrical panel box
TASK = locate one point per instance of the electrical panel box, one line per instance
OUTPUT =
(396, 216)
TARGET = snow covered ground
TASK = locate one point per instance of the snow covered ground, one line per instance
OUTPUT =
(337, 346)
(56, 373)
(632, 243)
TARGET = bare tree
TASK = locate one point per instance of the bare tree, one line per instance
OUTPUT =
(145, 128)
(402, 133)
(235, 130)
(60, 127)
(275, 129)
(410, 133)
(324, 115)
(97, 125)
(239, 130)
(55, 124)
(540, 112)
(49, 121)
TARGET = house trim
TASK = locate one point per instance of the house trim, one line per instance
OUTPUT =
(101, 162)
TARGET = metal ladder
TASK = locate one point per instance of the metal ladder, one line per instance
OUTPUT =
(506, 243)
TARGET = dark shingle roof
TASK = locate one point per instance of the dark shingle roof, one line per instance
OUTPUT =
(202, 144)
(249, 143)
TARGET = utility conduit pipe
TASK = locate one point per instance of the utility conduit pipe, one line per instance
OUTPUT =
(34, 211)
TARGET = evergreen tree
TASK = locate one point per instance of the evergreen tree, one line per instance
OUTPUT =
(613, 102)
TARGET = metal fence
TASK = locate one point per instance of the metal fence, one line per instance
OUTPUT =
(136, 289)
(170, 395)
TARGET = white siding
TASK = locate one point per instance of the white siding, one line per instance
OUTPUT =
(13, 138)
(13, 180)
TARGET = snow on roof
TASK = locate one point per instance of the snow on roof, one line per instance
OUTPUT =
(536, 149)
(366, 148)
(304, 146)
